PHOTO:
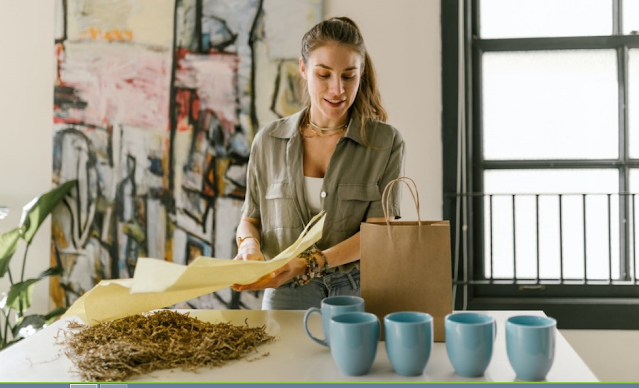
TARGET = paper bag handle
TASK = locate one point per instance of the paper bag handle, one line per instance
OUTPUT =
(386, 197)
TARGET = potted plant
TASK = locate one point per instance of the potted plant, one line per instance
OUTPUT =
(14, 304)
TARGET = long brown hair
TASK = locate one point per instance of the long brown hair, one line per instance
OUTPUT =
(368, 102)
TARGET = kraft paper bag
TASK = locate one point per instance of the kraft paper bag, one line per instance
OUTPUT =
(405, 266)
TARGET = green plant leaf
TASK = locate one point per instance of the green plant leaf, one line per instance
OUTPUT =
(10, 343)
(36, 211)
(22, 291)
(8, 246)
(54, 314)
(34, 321)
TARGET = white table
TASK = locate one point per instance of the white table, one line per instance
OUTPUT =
(293, 357)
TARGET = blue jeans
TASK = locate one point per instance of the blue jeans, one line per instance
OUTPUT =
(291, 297)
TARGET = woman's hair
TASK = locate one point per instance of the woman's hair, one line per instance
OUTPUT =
(342, 30)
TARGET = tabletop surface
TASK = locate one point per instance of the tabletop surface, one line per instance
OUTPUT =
(293, 357)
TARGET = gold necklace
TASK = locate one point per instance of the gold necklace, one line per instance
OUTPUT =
(322, 131)
(326, 129)
(321, 134)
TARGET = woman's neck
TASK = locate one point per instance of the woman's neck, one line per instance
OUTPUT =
(323, 123)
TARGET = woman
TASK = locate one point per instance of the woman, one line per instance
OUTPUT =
(337, 155)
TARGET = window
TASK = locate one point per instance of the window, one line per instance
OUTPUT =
(541, 156)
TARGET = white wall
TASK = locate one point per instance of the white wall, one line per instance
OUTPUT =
(26, 117)
(403, 38)
(404, 41)
(610, 354)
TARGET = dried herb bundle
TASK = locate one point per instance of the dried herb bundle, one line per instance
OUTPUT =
(117, 350)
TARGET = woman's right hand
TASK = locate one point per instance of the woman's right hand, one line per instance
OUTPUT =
(249, 251)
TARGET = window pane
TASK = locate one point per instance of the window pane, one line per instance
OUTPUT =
(544, 18)
(633, 102)
(550, 105)
(570, 237)
(631, 16)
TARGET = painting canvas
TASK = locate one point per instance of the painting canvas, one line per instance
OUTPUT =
(155, 106)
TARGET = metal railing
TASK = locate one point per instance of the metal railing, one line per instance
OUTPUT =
(547, 238)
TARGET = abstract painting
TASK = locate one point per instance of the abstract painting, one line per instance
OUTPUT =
(155, 106)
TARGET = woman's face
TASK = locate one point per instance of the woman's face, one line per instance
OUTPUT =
(332, 75)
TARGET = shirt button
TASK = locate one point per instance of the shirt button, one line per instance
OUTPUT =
(323, 194)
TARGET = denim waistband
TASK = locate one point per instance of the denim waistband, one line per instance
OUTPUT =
(335, 279)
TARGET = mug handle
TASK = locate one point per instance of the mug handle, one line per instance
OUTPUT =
(308, 313)
(494, 331)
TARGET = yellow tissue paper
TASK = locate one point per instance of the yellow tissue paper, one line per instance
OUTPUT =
(158, 284)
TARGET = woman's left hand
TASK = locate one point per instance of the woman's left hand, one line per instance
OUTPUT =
(288, 271)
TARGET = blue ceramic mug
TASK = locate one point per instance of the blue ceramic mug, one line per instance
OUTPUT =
(409, 340)
(469, 342)
(354, 339)
(530, 343)
(332, 306)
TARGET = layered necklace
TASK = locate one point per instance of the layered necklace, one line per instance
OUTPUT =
(322, 131)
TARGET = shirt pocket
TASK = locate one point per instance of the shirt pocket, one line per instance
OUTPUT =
(352, 204)
(282, 211)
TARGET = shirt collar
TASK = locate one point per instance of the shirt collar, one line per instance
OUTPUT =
(289, 126)
(353, 131)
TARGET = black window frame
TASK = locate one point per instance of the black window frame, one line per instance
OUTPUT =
(578, 306)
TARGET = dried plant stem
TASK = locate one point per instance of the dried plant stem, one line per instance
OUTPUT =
(117, 350)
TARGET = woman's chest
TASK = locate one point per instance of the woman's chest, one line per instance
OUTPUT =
(317, 157)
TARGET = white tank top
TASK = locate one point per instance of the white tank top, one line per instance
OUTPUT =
(313, 188)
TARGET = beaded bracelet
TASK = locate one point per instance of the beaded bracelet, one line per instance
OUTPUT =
(313, 269)
(321, 271)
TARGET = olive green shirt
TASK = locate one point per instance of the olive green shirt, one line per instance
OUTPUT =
(352, 189)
